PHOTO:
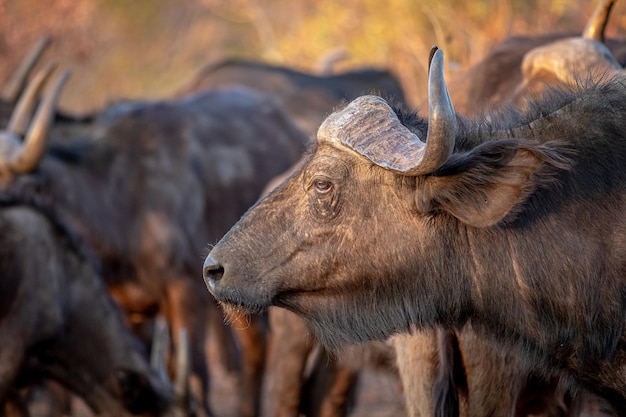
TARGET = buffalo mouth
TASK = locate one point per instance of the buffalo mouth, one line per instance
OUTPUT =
(243, 294)
(233, 291)
(233, 301)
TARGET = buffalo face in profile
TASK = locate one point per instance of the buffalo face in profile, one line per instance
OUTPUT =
(355, 225)
(516, 225)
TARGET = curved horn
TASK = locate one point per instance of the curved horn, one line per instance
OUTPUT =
(442, 124)
(14, 86)
(369, 126)
(433, 49)
(35, 142)
(20, 118)
(597, 23)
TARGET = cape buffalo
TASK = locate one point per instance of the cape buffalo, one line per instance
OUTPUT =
(484, 379)
(56, 318)
(515, 224)
(301, 377)
(524, 66)
(131, 186)
(56, 314)
(308, 98)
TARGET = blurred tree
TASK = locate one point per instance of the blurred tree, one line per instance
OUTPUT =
(123, 49)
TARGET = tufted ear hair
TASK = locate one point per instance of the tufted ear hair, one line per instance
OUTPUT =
(489, 184)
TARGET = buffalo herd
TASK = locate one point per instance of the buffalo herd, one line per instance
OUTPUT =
(473, 250)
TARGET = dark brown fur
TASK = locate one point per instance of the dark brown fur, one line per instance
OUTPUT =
(327, 390)
(152, 183)
(495, 80)
(500, 79)
(503, 265)
(308, 98)
(56, 314)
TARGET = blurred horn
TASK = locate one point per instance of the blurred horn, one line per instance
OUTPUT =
(326, 64)
(35, 142)
(15, 85)
(598, 21)
(20, 118)
(160, 348)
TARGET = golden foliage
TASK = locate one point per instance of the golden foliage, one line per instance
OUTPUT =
(151, 48)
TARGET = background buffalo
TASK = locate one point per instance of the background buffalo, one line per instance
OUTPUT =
(100, 44)
(456, 192)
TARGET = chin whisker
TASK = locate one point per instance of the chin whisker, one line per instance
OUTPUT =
(238, 315)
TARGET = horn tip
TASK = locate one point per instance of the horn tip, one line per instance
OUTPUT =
(45, 40)
(433, 50)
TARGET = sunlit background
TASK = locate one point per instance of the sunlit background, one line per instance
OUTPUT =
(128, 49)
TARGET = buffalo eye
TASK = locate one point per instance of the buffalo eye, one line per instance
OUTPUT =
(322, 186)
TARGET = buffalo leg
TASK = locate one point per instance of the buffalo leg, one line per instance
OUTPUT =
(417, 361)
(250, 333)
(11, 357)
(495, 376)
(187, 310)
(330, 388)
(14, 406)
(222, 342)
(60, 399)
(289, 348)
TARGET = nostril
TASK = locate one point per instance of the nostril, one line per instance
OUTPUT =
(212, 272)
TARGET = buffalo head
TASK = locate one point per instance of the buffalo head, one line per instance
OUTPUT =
(367, 212)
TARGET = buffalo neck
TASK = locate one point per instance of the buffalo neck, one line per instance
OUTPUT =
(538, 278)
(558, 115)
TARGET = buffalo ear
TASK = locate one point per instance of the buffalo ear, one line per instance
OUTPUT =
(489, 184)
